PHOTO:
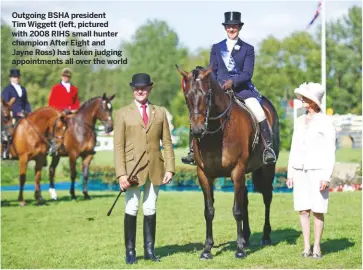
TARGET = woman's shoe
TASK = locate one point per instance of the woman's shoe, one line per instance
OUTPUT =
(307, 254)
(317, 255)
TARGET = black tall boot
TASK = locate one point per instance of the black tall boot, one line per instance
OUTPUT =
(189, 159)
(269, 156)
(149, 238)
(130, 238)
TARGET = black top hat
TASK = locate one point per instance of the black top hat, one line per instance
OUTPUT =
(232, 17)
(14, 73)
(141, 80)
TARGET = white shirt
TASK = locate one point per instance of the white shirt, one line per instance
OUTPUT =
(231, 43)
(66, 85)
(138, 104)
(17, 88)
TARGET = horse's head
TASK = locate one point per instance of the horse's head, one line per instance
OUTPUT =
(198, 96)
(58, 127)
(7, 127)
(104, 113)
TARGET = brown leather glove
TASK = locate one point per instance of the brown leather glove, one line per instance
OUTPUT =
(227, 85)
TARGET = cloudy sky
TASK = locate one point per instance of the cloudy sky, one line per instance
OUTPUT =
(198, 24)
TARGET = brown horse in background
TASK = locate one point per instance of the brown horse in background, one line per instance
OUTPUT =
(223, 146)
(31, 142)
(7, 127)
(80, 139)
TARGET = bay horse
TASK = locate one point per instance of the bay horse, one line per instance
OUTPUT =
(31, 142)
(80, 140)
(223, 143)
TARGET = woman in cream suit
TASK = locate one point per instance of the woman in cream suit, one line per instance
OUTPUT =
(311, 164)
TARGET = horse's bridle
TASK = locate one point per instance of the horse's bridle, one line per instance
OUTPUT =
(5, 136)
(208, 106)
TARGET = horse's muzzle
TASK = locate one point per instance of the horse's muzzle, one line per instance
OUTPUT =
(197, 131)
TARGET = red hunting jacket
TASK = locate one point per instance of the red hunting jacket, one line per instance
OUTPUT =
(59, 98)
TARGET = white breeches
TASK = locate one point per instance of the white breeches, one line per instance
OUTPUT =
(255, 107)
(307, 194)
(132, 199)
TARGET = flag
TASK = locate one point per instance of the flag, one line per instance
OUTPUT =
(316, 15)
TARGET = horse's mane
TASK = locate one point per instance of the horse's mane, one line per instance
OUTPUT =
(88, 102)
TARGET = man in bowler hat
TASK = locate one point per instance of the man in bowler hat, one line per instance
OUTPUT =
(138, 128)
(14, 90)
(233, 64)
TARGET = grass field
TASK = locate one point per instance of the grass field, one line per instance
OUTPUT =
(78, 234)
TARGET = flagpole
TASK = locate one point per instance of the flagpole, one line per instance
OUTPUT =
(323, 54)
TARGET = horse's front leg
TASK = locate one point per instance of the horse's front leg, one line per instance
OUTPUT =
(72, 167)
(52, 167)
(23, 163)
(85, 166)
(207, 187)
(39, 162)
(238, 178)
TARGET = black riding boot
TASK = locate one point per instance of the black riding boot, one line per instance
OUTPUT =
(53, 149)
(269, 156)
(189, 159)
(130, 238)
(149, 238)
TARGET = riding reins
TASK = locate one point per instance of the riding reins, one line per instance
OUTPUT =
(207, 112)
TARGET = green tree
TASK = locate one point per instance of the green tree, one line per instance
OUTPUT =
(155, 49)
(344, 63)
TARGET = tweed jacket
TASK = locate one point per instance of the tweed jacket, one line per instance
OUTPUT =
(313, 146)
(132, 138)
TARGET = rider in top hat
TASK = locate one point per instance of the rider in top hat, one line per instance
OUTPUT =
(15, 91)
(233, 63)
(139, 127)
(64, 96)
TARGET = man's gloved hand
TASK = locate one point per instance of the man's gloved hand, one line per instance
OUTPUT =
(22, 113)
(227, 85)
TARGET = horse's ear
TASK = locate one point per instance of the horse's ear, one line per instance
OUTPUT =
(209, 70)
(104, 96)
(3, 102)
(182, 72)
(111, 97)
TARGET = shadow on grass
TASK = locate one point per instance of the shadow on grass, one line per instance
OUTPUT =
(335, 245)
(288, 236)
(48, 202)
(285, 235)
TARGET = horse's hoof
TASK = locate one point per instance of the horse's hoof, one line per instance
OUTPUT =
(206, 255)
(73, 197)
(22, 203)
(265, 242)
(87, 197)
(240, 254)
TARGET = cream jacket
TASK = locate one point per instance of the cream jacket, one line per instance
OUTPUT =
(313, 146)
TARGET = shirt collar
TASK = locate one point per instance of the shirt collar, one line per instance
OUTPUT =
(138, 104)
(232, 41)
(15, 84)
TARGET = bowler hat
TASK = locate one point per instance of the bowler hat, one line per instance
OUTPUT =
(312, 91)
(67, 72)
(15, 73)
(232, 17)
(141, 80)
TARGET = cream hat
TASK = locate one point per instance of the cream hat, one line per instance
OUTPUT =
(312, 91)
